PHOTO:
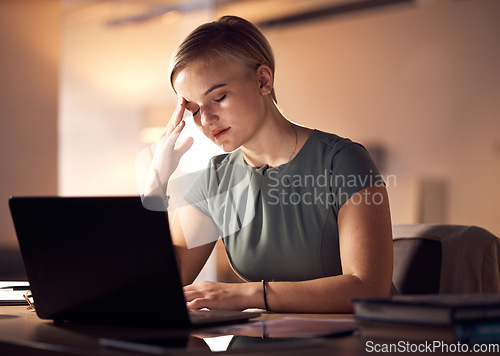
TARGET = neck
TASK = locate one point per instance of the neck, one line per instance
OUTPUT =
(274, 144)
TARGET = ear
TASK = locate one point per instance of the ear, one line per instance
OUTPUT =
(266, 79)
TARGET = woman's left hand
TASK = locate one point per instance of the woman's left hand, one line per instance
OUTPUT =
(229, 296)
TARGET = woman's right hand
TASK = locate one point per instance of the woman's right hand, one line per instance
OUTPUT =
(168, 152)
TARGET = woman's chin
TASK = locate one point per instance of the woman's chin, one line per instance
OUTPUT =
(226, 147)
(228, 150)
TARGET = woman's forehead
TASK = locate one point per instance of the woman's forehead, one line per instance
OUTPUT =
(207, 73)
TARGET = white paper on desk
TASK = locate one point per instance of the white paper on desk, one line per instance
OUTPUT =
(290, 327)
(13, 283)
(12, 296)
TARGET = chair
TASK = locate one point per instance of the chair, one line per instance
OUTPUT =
(445, 259)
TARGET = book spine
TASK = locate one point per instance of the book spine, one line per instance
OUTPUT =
(472, 314)
(478, 333)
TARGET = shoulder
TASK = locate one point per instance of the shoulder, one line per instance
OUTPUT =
(329, 139)
(334, 144)
(340, 155)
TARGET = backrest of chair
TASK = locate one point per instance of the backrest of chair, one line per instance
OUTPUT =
(469, 263)
(417, 265)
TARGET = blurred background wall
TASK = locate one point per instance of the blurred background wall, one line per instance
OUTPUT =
(417, 82)
(29, 81)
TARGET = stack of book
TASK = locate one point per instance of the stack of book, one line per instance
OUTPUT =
(471, 319)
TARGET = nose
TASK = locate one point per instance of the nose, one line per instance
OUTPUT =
(207, 118)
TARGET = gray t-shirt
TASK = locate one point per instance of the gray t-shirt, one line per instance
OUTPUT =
(280, 223)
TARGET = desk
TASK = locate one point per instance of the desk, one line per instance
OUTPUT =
(22, 333)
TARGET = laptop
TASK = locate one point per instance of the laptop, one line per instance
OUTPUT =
(104, 260)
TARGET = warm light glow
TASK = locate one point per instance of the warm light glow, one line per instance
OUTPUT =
(170, 17)
(151, 134)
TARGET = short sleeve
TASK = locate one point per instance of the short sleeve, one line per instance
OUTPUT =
(222, 193)
(353, 170)
(197, 195)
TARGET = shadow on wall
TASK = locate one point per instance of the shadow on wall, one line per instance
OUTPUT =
(11, 265)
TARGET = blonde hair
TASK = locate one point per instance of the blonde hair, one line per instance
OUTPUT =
(228, 37)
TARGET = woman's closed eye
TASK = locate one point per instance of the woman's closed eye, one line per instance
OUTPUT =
(216, 100)
(220, 99)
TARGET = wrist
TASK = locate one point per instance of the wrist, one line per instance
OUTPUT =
(156, 202)
(155, 190)
(156, 199)
(256, 295)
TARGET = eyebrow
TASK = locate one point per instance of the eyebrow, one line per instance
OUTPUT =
(212, 88)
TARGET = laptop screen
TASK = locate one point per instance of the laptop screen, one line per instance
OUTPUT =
(99, 260)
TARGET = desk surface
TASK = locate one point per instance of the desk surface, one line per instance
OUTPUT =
(21, 331)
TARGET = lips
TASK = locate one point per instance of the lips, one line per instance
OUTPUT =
(218, 133)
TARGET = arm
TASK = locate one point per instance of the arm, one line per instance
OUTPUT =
(166, 158)
(188, 225)
(366, 254)
(186, 221)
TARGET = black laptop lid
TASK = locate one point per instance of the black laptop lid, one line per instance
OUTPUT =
(99, 260)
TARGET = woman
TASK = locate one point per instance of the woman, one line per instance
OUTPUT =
(303, 214)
